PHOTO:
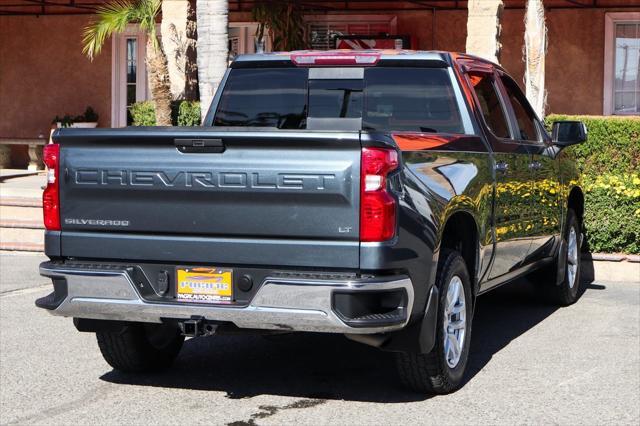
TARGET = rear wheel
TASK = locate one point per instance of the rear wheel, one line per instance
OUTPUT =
(141, 347)
(442, 370)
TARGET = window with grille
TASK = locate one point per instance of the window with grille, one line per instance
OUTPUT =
(626, 84)
(622, 63)
(322, 30)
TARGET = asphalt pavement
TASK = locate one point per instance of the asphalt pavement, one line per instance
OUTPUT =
(530, 363)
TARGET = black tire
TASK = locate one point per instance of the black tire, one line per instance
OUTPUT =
(141, 347)
(430, 373)
(568, 291)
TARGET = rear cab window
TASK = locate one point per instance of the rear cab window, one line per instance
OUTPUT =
(264, 98)
(385, 98)
(491, 107)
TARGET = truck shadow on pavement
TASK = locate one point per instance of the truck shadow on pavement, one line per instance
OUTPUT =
(323, 367)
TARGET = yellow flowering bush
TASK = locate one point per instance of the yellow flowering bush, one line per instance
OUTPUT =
(612, 212)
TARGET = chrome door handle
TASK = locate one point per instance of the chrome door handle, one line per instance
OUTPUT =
(502, 167)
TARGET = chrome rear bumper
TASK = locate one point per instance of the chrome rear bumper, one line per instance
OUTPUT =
(280, 304)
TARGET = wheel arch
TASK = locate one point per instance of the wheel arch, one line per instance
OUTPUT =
(460, 232)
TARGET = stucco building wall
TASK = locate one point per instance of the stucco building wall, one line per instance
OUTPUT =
(43, 73)
(575, 68)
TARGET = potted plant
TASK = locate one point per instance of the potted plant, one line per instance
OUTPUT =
(87, 120)
(65, 121)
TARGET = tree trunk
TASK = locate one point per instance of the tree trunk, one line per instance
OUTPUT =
(483, 28)
(174, 42)
(213, 48)
(535, 49)
(191, 92)
(158, 74)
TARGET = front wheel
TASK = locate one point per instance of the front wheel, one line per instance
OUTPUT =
(140, 347)
(442, 370)
(568, 291)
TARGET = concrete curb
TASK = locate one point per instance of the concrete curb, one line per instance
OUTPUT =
(22, 247)
(611, 267)
(20, 223)
(21, 201)
(612, 257)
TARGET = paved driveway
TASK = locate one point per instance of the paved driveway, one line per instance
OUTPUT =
(530, 363)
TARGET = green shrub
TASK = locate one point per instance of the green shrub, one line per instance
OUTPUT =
(183, 113)
(189, 113)
(612, 146)
(143, 113)
(609, 162)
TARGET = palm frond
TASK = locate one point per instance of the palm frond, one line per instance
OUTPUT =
(146, 16)
(111, 18)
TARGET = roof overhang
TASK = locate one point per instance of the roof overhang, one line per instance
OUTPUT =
(80, 7)
(48, 7)
(334, 6)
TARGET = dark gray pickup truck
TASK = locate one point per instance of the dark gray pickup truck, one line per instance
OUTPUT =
(373, 194)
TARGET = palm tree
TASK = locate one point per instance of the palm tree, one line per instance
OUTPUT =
(113, 18)
(213, 49)
(179, 37)
(535, 49)
(191, 90)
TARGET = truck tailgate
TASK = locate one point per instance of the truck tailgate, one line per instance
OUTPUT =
(166, 194)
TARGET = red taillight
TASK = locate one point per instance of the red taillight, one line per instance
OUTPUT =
(335, 58)
(377, 206)
(51, 194)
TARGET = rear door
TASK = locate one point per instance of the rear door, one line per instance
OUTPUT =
(511, 167)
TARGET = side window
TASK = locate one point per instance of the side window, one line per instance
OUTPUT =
(522, 110)
(490, 104)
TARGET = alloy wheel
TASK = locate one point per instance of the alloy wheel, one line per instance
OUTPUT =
(455, 322)
(572, 257)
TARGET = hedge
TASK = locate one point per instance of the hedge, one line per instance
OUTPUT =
(612, 146)
(609, 162)
(183, 113)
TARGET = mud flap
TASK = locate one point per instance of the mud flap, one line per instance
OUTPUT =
(419, 337)
(561, 262)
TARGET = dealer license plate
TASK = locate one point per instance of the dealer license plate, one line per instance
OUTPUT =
(204, 285)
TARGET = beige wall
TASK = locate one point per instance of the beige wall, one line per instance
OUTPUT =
(575, 64)
(575, 57)
(43, 73)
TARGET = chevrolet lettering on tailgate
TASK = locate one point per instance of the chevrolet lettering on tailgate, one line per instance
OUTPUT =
(234, 180)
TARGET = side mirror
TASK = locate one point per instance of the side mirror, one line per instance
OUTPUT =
(566, 133)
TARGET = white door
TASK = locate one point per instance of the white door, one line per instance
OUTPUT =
(128, 74)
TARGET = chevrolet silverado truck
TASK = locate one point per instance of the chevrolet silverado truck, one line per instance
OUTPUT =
(374, 194)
